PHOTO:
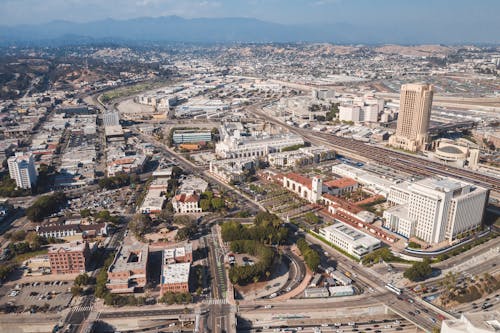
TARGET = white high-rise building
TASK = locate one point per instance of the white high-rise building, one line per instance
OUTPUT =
(22, 169)
(349, 113)
(435, 209)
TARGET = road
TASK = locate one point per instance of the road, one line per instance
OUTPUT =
(403, 308)
(185, 164)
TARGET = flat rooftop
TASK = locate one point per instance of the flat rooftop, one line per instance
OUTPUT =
(176, 273)
(131, 256)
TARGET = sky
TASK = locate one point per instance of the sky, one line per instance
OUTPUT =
(481, 14)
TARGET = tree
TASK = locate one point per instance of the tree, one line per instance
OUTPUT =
(82, 280)
(140, 225)
(76, 290)
(85, 213)
(419, 271)
(45, 206)
(311, 218)
(34, 240)
(205, 205)
(18, 235)
(217, 203)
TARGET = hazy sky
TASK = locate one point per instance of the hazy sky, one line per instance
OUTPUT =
(476, 14)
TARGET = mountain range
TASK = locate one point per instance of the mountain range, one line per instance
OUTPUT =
(223, 30)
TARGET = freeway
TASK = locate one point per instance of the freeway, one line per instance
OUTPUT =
(401, 161)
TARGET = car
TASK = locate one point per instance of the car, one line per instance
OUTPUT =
(411, 313)
(417, 311)
(337, 324)
(434, 320)
(425, 310)
(269, 306)
(324, 325)
(399, 328)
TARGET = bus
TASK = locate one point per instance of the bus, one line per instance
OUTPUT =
(394, 289)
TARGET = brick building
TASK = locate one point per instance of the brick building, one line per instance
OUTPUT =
(69, 258)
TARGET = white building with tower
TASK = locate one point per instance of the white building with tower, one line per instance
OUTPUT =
(310, 189)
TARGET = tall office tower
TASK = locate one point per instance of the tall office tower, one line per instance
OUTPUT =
(22, 169)
(413, 119)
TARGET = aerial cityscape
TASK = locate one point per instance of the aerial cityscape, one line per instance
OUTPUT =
(249, 166)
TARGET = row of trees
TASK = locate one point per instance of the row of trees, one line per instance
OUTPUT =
(311, 256)
(382, 254)
(176, 298)
(118, 181)
(249, 273)
(45, 206)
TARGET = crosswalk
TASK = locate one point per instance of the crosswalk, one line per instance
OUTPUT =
(213, 301)
(82, 308)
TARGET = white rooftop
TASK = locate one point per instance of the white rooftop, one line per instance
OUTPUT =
(176, 273)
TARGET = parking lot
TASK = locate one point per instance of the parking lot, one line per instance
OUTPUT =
(116, 201)
(37, 296)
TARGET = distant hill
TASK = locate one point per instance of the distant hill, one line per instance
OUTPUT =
(213, 30)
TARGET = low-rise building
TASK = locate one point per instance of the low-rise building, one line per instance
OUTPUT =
(456, 153)
(187, 197)
(349, 239)
(175, 278)
(339, 291)
(316, 292)
(232, 170)
(128, 272)
(155, 198)
(191, 136)
(341, 278)
(72, 229)
(341, 186)
(179, 254)
(186, 203)
(300, 157)
(477, 322)
(307, 188)
(69, 258)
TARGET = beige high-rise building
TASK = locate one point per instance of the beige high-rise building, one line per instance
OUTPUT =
(413, 119)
